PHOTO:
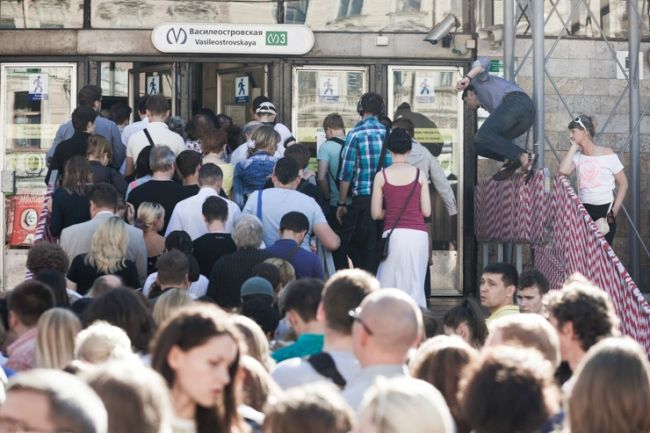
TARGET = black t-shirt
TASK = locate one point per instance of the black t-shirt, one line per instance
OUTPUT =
(85, 275)
(210, 247)
(68, 209)
(190, 190)
(165, 192)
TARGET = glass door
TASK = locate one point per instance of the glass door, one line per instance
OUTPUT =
(426, 95)
(35, 98)
(237, 87)
(151, 80)
(320, 90)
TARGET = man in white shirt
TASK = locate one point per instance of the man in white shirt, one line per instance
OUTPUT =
(343, 292)
(283, 198)
(188, 213)
(159, 133)
(386, 326)
(134, 127)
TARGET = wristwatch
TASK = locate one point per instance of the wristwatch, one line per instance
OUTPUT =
(468, 77)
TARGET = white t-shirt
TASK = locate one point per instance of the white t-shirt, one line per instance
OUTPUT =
(298, 371)
(160, 134)
(596, 177)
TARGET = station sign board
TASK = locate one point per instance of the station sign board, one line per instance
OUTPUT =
(274, 39)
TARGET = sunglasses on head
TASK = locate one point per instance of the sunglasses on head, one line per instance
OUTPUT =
(578, 120)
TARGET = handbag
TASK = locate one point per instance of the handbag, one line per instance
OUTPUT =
(383, 243)
(603, 222)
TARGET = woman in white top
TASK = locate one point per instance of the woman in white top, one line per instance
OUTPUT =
(598, 170)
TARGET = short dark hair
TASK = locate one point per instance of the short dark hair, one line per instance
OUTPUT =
(303, 297)
(286, 170)
(372, 103)
(587, 307)
(468, 312)
(104, 195)
(28, 300)
(262, 312)
(533, 277)
(209, 174)
(213, 140)
(142, 105)
(399, 141)
(295, 221)
(269, 272)
(507, 271)
(88, 95)
(81, 116)
(334, 121)
(406, 124)
(120, 112)
(56, 281)
(300, 153)
(43, 256)
(587, 121)
(187, 161)
(157, 104)
(343, 292)
(469, 88)
(126, 309)
(173, 266)
(215, 208)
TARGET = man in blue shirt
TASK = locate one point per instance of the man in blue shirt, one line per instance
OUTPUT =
(361, 156)
(293, 229)
(512, 113)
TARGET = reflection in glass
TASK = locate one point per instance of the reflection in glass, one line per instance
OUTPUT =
(427, 97)
(319, 92)
(149, 13)
(34, 14)
(115, 78)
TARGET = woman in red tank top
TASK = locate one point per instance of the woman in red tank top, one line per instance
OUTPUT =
(400, 196)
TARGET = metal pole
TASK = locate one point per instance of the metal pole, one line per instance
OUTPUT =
(538, 78)
(635, 159)
(509, 40)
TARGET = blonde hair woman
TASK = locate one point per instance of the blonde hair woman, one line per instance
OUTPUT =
(252, 173)
(101, 342)
(106, 256)
(151, 219)
(56, 332)
(99, 154)
(170, 301)
(390, 405)
(611, 389)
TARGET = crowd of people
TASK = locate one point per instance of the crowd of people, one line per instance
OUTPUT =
(203, 278)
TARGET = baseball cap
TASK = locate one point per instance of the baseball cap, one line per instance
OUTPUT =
(256, 286)
(262, 104)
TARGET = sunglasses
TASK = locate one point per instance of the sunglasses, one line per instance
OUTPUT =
(354, 315)
(578, 120)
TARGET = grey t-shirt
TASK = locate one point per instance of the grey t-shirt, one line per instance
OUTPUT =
(490, 89)
(276, 202)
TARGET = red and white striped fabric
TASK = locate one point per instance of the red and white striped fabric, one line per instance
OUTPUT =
(576, 245)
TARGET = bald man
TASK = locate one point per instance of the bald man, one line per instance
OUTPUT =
(386, 325)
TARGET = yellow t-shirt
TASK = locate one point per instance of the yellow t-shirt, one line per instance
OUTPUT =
(502, 311)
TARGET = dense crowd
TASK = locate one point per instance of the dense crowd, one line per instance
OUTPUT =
(202, 277)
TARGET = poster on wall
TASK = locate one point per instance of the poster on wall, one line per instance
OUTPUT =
(242, 91)
(328, 87)
(37, 87)
(25, 210)
(425, 94)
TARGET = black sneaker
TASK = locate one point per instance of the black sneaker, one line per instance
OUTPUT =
(507, 170)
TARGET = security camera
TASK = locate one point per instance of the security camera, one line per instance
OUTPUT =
(441, 30)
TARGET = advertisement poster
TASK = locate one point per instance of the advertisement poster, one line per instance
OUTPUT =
(25, 210)
(328, 87)
(37, 87)
(424, 88)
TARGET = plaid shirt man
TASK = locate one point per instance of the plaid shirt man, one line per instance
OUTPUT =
(361, 153)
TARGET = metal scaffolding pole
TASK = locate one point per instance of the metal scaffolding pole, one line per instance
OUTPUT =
(538, 78)
(635, 159)
(509, 40)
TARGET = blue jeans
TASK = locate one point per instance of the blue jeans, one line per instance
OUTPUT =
(513, 117)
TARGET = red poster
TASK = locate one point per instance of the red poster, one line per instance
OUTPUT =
(26, 210)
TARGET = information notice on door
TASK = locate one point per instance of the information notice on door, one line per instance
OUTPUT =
(287, 39)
